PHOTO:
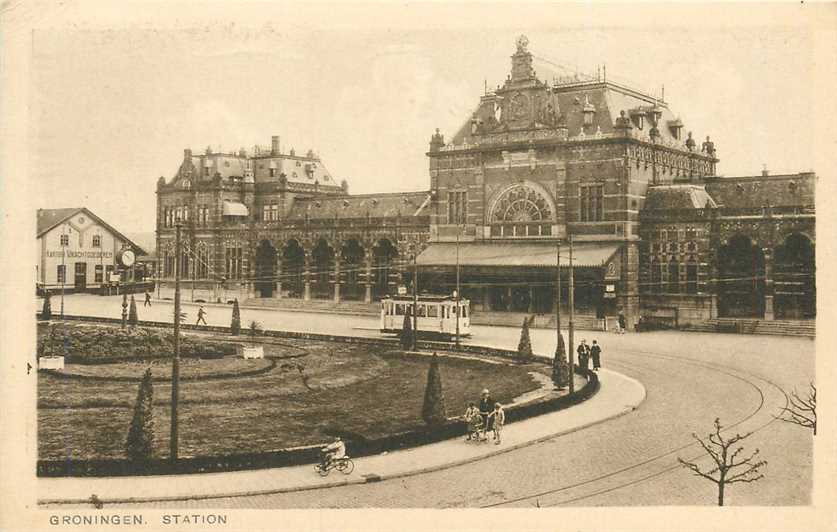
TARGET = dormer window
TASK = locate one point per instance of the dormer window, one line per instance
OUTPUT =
(638, 119)
(589, 111)
(675, 126)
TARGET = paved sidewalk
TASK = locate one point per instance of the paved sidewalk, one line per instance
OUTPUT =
(618, 395)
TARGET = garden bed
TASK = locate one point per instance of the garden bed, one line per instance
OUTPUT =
(366, 390)
(98, 344)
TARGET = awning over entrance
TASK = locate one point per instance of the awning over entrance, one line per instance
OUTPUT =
(233, 208)
(506, 254)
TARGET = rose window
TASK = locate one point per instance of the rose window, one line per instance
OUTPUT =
(522, 211)
(521, 204)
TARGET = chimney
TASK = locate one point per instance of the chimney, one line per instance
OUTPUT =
(765, 172)
(187, 154)
(274, 145)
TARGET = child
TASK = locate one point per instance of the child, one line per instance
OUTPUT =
(472, 417)
(499, 416)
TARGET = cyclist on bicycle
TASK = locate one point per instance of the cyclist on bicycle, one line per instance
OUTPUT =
(333, 451)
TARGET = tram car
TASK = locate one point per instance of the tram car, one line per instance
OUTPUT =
(435, 316)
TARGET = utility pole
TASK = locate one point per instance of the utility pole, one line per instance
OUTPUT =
(63, 267)
(175, 362)
(415, 299)
(458, 310)
(570, 347)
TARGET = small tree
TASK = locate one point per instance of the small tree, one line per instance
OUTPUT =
(433, 410)
(407, 331)
(235, 326)
(139, 446)
(46, 313)
(132, 313)
(524, 348)
(726, 467)
(560, 366)
(801, 411)
(255, 329)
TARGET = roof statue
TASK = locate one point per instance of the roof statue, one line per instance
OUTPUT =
(522, 43)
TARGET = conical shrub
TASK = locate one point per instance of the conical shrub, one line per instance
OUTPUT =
(407, 331)
(433, 410)
(235, 326)
(560, 366)
(524, 347)
(132, 312)
(140, 443)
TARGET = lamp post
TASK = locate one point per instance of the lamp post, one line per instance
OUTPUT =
(63, 266)
(570, 350)
(175, 362)
(457, 294)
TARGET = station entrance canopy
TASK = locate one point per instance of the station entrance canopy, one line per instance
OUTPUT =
(517, 254)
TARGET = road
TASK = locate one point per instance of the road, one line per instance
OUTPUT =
(690, 378)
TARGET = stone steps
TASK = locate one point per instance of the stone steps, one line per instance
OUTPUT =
(804, 328)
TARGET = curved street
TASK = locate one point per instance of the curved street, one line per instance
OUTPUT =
(690, 379)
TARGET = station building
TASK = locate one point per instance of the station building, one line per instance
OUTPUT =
(80, 252)
(655, 231)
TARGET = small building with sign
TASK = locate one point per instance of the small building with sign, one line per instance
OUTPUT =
(80, 252)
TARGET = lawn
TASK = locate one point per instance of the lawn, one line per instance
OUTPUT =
(321, 386)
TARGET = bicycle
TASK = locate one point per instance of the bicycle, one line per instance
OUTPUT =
(343, 464)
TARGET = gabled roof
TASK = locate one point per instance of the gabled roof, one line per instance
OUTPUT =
(663, 197)
(49, 218)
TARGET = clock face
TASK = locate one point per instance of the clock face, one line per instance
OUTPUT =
(128, 257)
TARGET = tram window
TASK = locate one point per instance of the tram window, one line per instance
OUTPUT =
(399, 310)
(422, 311)
(432, 311)
(464, 312)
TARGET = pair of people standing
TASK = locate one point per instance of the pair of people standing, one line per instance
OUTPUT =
(586, 352)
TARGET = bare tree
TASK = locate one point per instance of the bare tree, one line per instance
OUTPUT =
(728, 468)
(801, 411)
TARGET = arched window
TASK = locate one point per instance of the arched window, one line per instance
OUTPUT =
(201, 261)
(656, 276)
(97, 241)
(673, 276)
(522, 210)
(692, 275)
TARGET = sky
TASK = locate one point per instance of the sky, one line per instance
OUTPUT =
(111, 109)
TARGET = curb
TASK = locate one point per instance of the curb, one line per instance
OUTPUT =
(370, 477)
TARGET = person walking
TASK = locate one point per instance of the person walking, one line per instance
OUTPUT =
(201, 314)
(583, 355)
(595, 353)
(147, 299)
(486, 407)
(499, 419)
(621, 322)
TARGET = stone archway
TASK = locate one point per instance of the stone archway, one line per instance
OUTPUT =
(265, 282)
(740, 279)
(322, 270)
(384, 255)
(794, 267)
(293, 268)
(352, 269)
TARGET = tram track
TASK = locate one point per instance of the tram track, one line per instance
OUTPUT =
(721, 368)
